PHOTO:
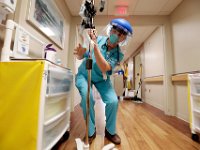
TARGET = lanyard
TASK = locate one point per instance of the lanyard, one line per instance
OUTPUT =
(108, 55)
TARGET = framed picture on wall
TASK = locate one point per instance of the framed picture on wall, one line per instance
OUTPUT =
(46, 17)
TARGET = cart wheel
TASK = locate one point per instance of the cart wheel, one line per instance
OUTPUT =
(66, 135)
(195, 137)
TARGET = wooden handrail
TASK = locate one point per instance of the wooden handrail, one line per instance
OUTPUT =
(154, 79)
(175, 77)
(180, 77)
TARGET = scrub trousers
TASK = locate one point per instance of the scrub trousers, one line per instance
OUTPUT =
(108, 96)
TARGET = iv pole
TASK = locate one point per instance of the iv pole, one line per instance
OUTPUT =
(88, 24)
(89, 68)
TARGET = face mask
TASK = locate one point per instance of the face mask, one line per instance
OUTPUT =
(113, 38)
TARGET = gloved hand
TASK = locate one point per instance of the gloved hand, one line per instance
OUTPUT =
(79, 51)
(93, 35)
(88, 37)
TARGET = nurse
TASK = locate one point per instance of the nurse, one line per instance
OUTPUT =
(105, 55)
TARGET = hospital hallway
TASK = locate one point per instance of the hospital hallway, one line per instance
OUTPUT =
(140, 126)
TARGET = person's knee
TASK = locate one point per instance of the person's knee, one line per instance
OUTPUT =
(114, 101)
(84, 98)
(80, 82)
(82, 91)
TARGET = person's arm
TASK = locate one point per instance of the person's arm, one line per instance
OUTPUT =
(101, 62)
(103, 65)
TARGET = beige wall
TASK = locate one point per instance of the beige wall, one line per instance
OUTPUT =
(185, 21)
(181, 103)
(154, 95)
(153, 65)
(20, 17)
(153, 54)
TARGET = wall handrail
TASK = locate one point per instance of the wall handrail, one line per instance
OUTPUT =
(182, 76)
(154, 79)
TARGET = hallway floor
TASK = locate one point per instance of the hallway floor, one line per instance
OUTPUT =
(140, 126)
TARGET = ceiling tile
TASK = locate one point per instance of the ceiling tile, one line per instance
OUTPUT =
(149, 6)
(112, 4)
(135, 7)
(164, 13)
(74, 6)
(170, 6)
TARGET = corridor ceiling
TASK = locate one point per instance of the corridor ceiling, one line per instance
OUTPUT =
(131, 8)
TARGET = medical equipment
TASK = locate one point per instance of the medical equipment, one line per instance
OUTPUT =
(194, 104)
(102, 5)
(51, 93)
(87, 12)
(136, 98)
(21, 49)
(6, 7)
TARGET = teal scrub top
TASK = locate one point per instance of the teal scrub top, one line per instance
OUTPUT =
(112, 57)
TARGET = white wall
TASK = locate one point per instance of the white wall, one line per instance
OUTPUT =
(180, 93)
(153, 65)
(153, 55)
(154, 95)
(185, 22)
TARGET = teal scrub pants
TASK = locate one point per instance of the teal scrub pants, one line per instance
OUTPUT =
(108, 96)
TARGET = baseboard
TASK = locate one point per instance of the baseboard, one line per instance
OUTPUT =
(154, 104)
(182, 117)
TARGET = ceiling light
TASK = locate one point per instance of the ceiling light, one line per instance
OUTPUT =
(121, 10)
